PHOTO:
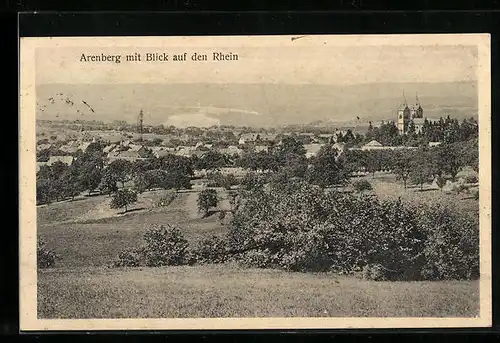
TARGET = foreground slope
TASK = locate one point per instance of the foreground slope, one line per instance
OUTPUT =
(229, 291)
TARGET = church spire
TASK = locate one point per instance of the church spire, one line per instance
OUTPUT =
(404, 97)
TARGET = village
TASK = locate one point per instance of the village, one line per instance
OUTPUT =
(121, 147)
(141, 143)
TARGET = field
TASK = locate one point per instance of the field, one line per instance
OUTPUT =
(87, 235)
(227, 291)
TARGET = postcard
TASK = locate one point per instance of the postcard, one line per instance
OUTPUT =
(255, 182)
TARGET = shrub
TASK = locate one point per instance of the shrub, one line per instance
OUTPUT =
(375, 272)
(211, 250)
(362, 185)
(46, 258)
(206, 199)
(452, 245)
(129, 258)
(165, 246)
(255, 258)
(162, 246)
(440, 182)
(471, 179)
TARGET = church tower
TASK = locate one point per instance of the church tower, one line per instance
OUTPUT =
(416, 110)
(403, 116)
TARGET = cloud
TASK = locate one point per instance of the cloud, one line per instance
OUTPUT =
(191, 119)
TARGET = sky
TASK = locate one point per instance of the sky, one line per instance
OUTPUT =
(290, 65)
(306, 61)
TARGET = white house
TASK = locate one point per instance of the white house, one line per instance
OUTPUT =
(312, 149)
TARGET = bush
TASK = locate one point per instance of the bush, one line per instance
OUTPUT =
(255, 259)
(211, 250)
(362, 185)
(375, 272)
(45, 257)
(440, 182)
(165, 246)
(129, 258)
(452, 245)
(471, 179)
(207, 199)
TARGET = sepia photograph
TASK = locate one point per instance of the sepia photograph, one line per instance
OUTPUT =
(252, 182)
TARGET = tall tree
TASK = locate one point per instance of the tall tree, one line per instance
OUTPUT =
(326, 170)
(421, 170)
(403, 164)
(108, 183)
(207, 199)
(449, 159)
(123, 198)
(120, 170)
(291, 146)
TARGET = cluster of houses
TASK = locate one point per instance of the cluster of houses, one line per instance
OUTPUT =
(130, 151)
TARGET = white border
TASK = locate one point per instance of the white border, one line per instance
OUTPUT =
(28, 272)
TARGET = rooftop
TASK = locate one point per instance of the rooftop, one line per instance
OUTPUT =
(373, 143)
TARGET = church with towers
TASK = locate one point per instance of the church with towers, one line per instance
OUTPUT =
(408, 114)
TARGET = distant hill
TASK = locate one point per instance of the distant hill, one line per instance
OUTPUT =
(262, 105)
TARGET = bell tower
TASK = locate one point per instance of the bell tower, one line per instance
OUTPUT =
(403, 116)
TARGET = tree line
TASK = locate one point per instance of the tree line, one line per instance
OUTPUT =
(330, 167)
(444, 130)
(89, 173)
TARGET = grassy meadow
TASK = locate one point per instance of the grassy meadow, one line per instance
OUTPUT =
(87, 236)
(229, 291)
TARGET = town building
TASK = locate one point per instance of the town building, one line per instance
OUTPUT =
(374, 145)
(67, 160)
(231, 150)
(128, 155)
(259, 148)
(248, 138)
(107, 149)
(70, 147)
(140, 149)
(84, 146)
(312, 149)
